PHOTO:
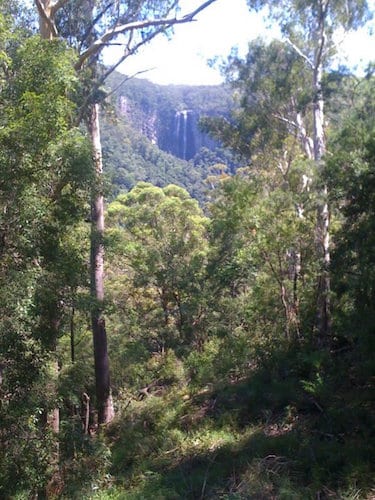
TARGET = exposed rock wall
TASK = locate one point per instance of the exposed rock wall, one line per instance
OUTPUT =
(169, 115)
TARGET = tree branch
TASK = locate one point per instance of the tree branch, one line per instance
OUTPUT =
(57, 6)
(127, 52)
(292, 123)
(96, 46)
(125, 79)
(300, 53)
(46, 18)
(94, 23)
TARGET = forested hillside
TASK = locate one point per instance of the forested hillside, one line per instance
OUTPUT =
(153, 346)
(156, 110)
(152, 133)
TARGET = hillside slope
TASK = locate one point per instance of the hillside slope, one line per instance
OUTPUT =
(151, 133)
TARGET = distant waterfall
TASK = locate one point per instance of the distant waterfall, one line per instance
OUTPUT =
(184, 134)
(177, 132)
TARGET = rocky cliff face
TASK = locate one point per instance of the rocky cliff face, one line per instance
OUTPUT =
(187, 139)
(169, 115)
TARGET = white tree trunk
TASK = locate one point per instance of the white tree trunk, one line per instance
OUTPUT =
(102, 377)
(323, 216)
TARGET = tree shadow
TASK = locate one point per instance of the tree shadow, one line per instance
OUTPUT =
(293, 437)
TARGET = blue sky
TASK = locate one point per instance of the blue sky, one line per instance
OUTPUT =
(223, 25)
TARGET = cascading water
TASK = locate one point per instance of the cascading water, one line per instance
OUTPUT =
(184, 133)
(171, 122)
(177, 132)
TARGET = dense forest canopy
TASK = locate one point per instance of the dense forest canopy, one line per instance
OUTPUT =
(232, 353)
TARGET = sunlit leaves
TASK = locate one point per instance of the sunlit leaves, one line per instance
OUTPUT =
(45, 179)
(262, 252)
(161, 249)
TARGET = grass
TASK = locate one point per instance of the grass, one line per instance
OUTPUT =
(282, 432)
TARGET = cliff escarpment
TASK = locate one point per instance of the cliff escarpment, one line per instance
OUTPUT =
(168, 115)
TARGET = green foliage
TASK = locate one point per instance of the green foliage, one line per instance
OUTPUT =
(160, 255)
(350, 173)
(295, 17)
(255, 258)
(138, 145)
(130, 158)
(270, 88)
(221, 389)
(45, 165)
(261, 434)
(145, 98)
(264, 409)
(86, 466)
(25, 445)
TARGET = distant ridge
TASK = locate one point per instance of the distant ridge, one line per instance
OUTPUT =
(153, 133)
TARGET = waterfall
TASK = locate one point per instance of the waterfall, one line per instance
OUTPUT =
(177, 132)
(184, 134)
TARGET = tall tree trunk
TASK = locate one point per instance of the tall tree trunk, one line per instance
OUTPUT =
(47, 28)
(47, 10)
(323, 222)
(102, 377)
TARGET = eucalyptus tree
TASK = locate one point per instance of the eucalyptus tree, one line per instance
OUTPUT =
(271, 129)
(160, 255)
(282, 94)
(91, 26)
(261, 288)
(45, 178)
(309, 28)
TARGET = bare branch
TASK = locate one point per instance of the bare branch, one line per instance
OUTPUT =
(127, 52)
(300, 53)
(126, 79)
(301, 129)
(96, 46)
(189, 17)
(285, 120)
(94, 23)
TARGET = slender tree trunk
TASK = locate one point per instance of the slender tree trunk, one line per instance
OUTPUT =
(102, 378)
(323, 222)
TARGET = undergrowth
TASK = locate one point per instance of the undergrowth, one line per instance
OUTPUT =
(292, 428)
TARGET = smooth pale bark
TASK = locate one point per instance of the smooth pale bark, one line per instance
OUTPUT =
(323, 216)
(317, 21)
(47, 10)
(102, 376)
(315, 149)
